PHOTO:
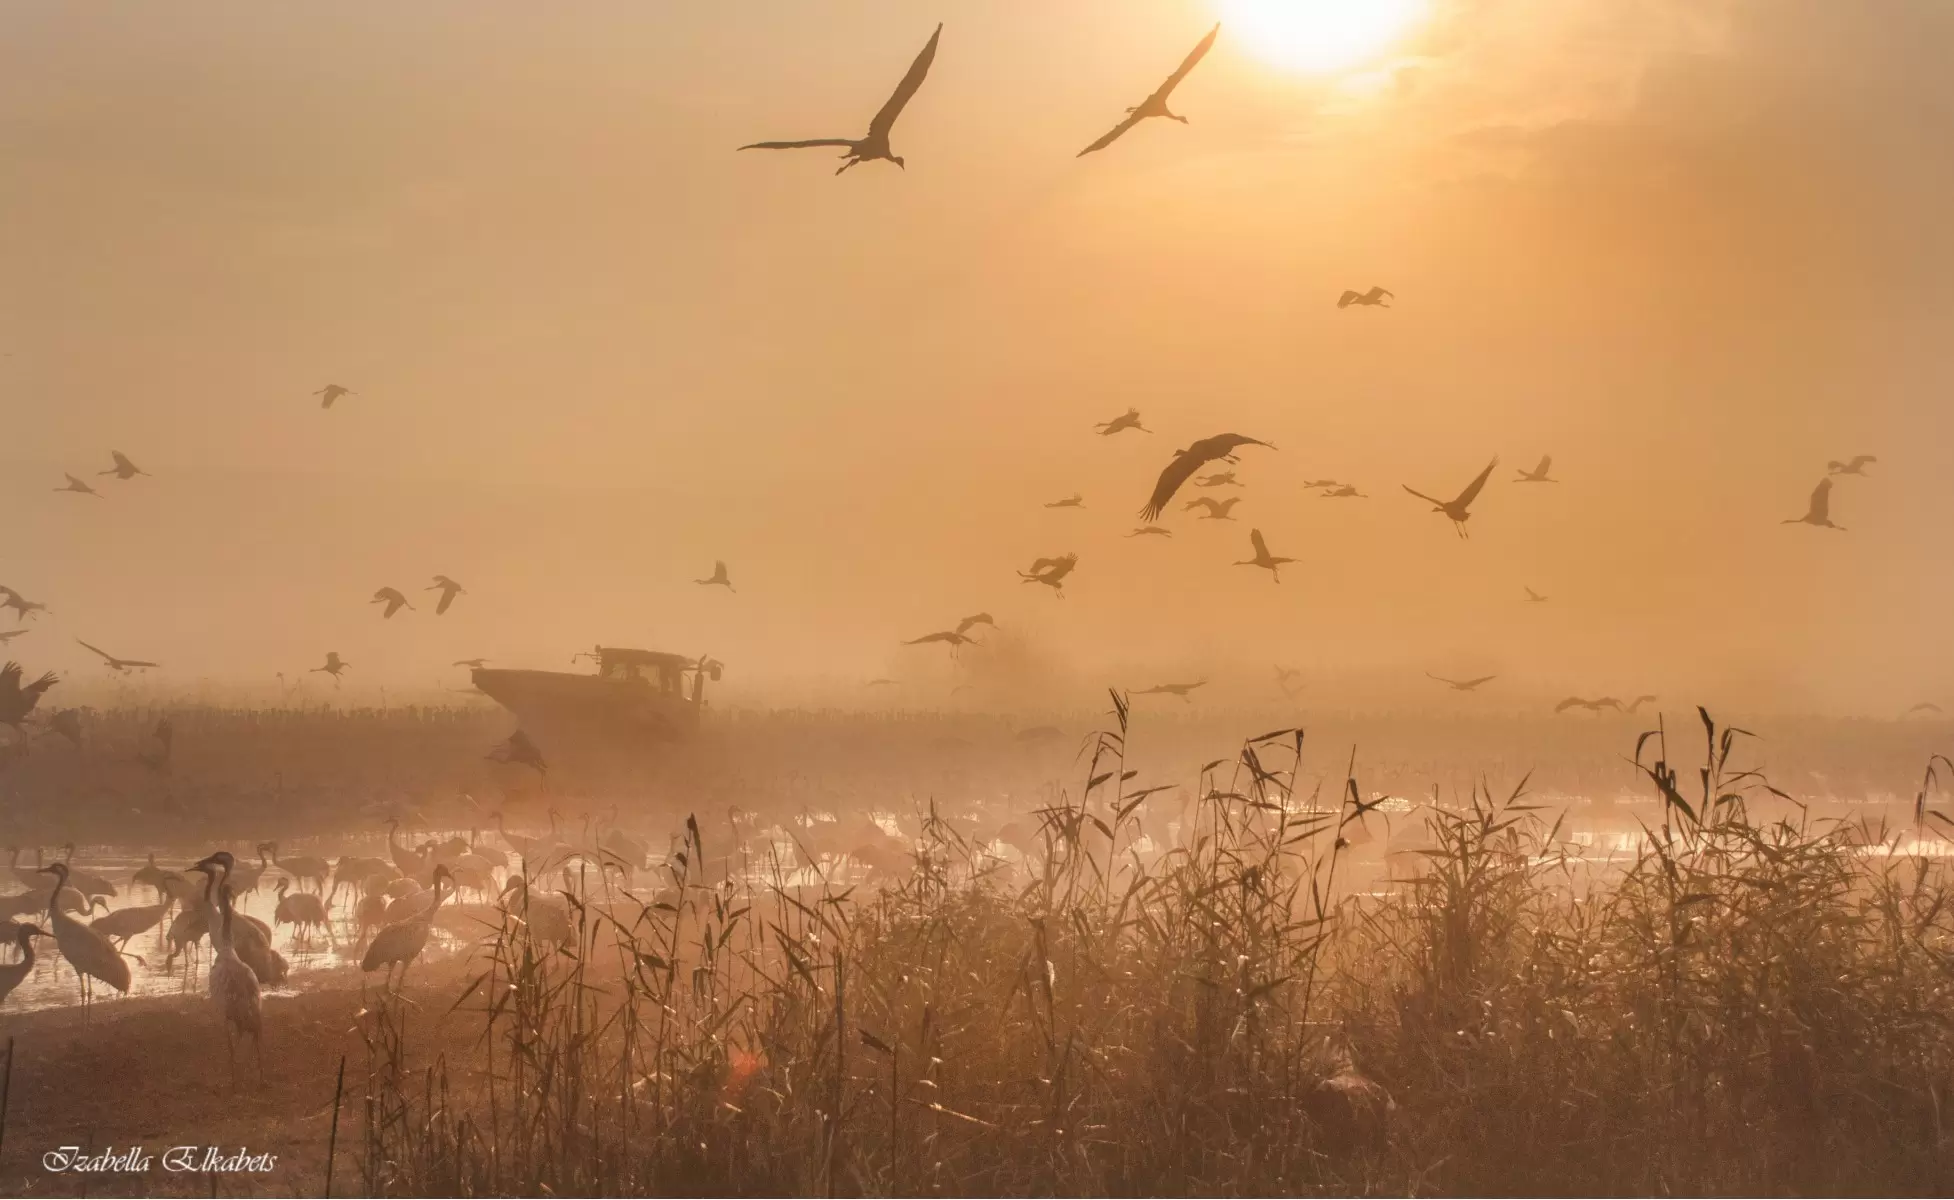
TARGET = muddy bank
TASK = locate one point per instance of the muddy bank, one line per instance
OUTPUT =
(151, 1073)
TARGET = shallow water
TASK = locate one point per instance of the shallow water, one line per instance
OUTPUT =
(52, 984)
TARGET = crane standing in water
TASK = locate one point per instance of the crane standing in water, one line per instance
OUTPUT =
(399, 944)
(87, 951)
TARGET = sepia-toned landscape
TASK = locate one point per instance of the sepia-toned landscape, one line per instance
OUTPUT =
(1240, 597)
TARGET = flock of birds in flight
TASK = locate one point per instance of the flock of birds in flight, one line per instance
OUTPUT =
(1051, 572)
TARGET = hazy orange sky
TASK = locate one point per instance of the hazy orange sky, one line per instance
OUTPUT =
(1691, 248)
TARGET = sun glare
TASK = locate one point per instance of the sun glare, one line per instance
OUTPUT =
(1317, 35)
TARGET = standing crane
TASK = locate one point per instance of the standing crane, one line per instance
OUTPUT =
(13, 973)
(88, 952)
(401, 943)
(233, 985)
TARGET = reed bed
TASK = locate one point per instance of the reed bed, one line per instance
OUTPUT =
(1748, 1006)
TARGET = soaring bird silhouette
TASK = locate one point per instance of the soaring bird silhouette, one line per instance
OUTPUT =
(125, 665)
(449, 589)
(1151, 531)
(1639, 701)
(1590, 705)
(392, 598)
(1075, 500)
(22, 606)
(518, 750)
(1156, 104)
(1533, 597)
(334, 665)
(1856, 465)
(1373, 298)
(876, 144)
(16, 699)
(884, 682)
(76, 485)
(1539, 473)
(332, 392)
(1130, 419)
(1171, 689)
(1324, 483)
(973, 620)
(1263, 558)
(1820, 512)
(8, 635)
(123, 468)
(473, 664)
(1925, 706)
(949, 637)
(1346, 491)
(719, 577)
(1462, 685)
(1051, 572)
(1289, 680)
(1456, 508)
(1217, 510)
(1221, 446)
(1218, 479)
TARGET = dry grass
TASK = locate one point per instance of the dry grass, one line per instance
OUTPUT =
(1750, 1006)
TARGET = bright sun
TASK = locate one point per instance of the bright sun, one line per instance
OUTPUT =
(1317, 35)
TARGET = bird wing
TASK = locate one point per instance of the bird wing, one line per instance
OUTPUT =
(122, 460)
(1442, 679)
(1472, 489)
(1348, 298)
(719, 569)
(1422, 496)
(1170, 481)
(1570, 702)
(107, 657)
(137, 662)
(1546, 462)
(1860, 460)
(1473, 683)
(787, 146)
(930, 637)
(447, 598)
(1194, 56)
(885, 120)
(1261, 547)
(77, 484)
(1821, 501)
(1199, 502)
(1113, 135)
(10, 677)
